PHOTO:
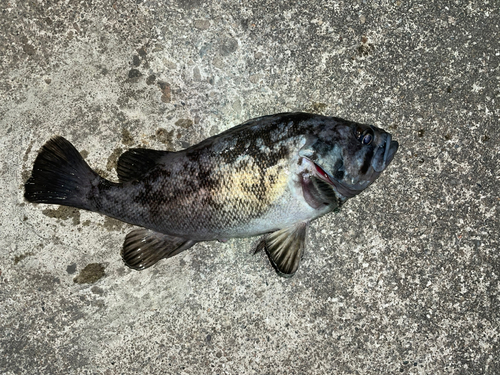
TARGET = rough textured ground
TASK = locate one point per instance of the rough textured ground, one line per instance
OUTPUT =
(405, 279)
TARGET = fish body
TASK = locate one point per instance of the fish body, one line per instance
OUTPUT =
(269, 176)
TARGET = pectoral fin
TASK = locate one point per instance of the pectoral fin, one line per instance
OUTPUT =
(285, 248)
(143, 248)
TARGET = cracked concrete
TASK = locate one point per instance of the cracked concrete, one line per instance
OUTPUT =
(404, 279)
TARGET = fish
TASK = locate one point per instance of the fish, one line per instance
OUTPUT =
(269, 176)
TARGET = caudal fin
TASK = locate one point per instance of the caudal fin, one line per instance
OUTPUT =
(60, 176)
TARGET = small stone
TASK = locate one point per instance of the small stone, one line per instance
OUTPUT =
(237, 106)
(196, 74)
(166, 91)
(71, 269)
(218, 63)
(202, 24)
(184, 123)
(254, 78)
(97, 290)
(228, 46)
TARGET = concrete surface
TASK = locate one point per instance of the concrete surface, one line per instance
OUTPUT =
(405, 279)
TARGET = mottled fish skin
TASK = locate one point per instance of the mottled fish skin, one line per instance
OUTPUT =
(264, 175)
(232, 185)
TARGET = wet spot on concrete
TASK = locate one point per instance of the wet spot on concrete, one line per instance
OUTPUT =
(19, 258)
(127, 138)
(151, 79)
(113, 159)
(29, 49)
(142, 51)
(136, 61)
(64, 213)
(112, 224)
(318, 107)
(134, 74)
(166, 137)
(28, 151)
(90, 274)
(25, 175)
(84, 153)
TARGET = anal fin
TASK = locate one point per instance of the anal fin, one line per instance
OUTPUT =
(285, 248)
(143, 248)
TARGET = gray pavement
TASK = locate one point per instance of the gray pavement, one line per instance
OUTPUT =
(404, 279)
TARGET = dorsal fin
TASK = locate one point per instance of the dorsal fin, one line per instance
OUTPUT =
(136, 162)
(285, 248)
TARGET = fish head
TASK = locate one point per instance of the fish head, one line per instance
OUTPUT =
(347, 157)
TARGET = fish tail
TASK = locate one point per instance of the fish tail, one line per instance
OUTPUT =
(61, 176)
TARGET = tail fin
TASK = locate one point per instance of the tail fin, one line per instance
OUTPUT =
(60, 176)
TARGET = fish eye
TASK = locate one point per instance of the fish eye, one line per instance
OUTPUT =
(365, 137)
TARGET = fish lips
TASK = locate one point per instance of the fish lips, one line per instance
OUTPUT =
(384, 154)
(381, 159)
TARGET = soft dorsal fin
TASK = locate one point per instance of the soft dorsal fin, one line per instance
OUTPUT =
(143, 248)
(136, 162)
(285, 248)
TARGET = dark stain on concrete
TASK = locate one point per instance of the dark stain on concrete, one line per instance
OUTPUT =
(19, 258)
(112, 224)
(113, 159)
(184, 123)
(64, 213)
(127, 138)
(90, 274)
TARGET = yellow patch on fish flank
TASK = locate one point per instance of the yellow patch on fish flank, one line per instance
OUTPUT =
(251, 186)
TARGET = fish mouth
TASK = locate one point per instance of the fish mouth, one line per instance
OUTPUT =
(384, 154)
(381, 158)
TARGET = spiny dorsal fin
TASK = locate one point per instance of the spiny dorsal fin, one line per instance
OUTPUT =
(143, 248)
(136, 162)
(285, 248)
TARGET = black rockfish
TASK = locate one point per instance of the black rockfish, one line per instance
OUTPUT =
(271, 175)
